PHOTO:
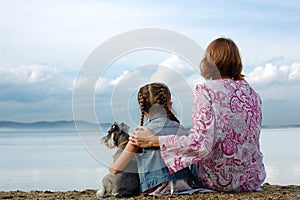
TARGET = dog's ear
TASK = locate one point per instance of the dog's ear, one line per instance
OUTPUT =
(124, 127)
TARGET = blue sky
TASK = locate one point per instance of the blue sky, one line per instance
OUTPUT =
(43, 45)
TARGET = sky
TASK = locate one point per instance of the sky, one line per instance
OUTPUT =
(44, 45)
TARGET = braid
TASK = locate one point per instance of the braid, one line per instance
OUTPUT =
(141, 102)
(164, 97)
(143, 99)
(171, 115)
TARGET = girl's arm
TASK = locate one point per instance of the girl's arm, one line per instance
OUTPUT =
(123, 159)
(143, 137)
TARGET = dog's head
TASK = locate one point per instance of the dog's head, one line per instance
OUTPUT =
(116, 134)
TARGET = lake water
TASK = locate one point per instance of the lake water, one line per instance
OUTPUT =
(39, 159)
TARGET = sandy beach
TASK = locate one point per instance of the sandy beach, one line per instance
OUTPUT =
(269, 192)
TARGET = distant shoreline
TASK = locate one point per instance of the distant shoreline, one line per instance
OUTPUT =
(48, 124)
(71, 124)
(281, 126)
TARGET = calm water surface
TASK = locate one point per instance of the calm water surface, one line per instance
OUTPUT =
(56, 160)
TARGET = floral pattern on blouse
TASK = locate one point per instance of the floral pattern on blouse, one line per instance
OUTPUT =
(223, 144)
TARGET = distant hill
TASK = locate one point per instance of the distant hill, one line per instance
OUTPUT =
(71, 124)
(281, 126)
(48, 124)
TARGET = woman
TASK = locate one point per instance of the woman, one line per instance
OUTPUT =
(223, 145)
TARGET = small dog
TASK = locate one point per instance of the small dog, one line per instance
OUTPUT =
(125, 183)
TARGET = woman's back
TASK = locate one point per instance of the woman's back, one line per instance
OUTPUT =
(235, 162)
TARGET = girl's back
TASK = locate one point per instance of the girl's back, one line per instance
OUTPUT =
(152, 169)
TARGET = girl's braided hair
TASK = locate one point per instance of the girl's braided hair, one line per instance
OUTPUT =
(155, 93)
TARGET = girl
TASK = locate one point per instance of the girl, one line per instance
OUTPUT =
(155, 179)
(223, 144)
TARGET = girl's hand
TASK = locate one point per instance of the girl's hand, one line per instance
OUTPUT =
(143, 137)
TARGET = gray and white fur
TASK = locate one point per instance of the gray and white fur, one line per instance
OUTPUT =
(125, 183)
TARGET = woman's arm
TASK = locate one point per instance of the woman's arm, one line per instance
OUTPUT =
(179, 152)
(123, 159)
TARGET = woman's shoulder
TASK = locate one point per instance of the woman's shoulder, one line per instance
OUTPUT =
(221, 84)
(211, 88)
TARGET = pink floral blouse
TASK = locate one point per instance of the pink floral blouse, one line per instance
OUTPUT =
(224, 141)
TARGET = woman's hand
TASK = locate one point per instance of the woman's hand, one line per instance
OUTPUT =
(143, 137)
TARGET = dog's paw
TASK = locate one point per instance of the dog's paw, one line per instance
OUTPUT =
(117, 195)
(101, 194)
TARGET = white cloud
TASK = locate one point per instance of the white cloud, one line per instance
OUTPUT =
(64, 33)
(270, 74)
(279, 88)
(173, 71)
(28, 74)
(35, 92)
(31, 74)
(174, 68)
(30, 83)
(181, 78)
(105, 84)
(118, 79)
(172, 61)
(294, 71)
